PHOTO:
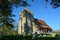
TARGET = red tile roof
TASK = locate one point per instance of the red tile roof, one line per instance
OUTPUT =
(43, 23)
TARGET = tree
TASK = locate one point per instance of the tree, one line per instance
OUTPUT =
(54, 3)
(6, 20)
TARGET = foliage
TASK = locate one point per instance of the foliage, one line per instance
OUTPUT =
(55, 3)
(48, 35)
(58, 33)
(26, 37)
(10, 32)
(16, 37)
(47, 38)
(6, 20)
(58, 36)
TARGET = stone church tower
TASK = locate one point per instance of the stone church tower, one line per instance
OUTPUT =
(29, 25)
(25, 25)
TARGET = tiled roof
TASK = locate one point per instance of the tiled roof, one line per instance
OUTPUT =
(42, 23)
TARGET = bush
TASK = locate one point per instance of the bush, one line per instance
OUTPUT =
(47, 38)
(57, 36)
(12, 37)
(27, 37)
(16, 37)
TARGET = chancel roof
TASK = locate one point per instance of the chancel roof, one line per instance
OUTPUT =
(42, 23)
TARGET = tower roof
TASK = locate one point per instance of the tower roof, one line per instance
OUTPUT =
(26, 10)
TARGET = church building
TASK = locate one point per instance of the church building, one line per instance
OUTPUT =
(30, 25)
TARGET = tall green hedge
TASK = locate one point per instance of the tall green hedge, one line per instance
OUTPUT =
(27, 37)
(16, 37)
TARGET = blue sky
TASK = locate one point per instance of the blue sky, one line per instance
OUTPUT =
(42, 11)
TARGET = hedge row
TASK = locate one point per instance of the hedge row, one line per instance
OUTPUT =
(48, 38)
(27, 37)
(16, 37)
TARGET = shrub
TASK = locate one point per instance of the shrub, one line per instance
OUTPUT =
(27, 37)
